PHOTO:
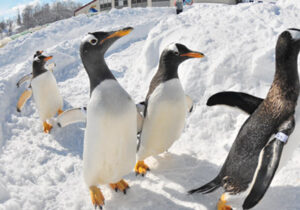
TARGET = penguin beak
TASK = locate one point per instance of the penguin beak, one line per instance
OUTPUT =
(48, 58)
(41, 51)
(193, 55)
(120, 33)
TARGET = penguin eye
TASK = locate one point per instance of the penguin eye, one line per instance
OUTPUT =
(93, 41)
(176, 53)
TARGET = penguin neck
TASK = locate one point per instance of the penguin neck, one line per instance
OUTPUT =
(98, 72)
(168, 70)
(37, 71)
(287, 71)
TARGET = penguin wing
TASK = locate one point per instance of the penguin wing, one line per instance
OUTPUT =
(50, 66)
(268, 163)
(24, 79)
(270, 160)
(243, 101)
(189, 103)
(71, 116)
(79, 115)
(23, 98)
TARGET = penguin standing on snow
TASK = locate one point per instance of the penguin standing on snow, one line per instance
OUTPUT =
(256, 152)
(110, 136)
(165, 106)
(45, 91)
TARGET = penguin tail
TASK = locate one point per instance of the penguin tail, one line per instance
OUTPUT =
(207, 188)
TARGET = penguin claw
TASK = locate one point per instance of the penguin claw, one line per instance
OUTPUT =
(121, 186)
(97, 197)
(47, 127)
(141, 168)
(222, 204)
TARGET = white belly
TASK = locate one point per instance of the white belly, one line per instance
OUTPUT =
(46, 95)
(110, 135)
(165, 118)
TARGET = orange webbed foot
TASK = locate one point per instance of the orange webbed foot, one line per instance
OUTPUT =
(97, 197)
(121, 186)
(141, 168)
(222, 204)
(47, 127)
(60, 111)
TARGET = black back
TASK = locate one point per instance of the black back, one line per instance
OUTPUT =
(240, 165)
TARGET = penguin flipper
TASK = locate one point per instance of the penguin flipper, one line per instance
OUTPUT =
(207, 188)
(50, 66)
(189, 103)
(243, 101)
(24, 79)
(71, 116)
(268, 163)
(23, 98)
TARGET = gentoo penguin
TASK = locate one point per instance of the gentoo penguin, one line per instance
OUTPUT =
(28, 92)
(111, 129)
(165, 106)
(45, 91)
(260, 144)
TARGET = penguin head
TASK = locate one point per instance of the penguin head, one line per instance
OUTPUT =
(37, 53)
(96, 44)
(288, 44)
(176, 53)
(40, 61)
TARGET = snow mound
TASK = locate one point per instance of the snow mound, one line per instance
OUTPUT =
(40, 171)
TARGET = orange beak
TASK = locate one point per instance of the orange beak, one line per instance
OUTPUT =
(193, 55)
(48, 58)
(120, 33)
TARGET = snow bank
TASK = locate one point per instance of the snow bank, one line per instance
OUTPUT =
(40, 171)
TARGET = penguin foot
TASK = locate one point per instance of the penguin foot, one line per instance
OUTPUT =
(141, 168)
(47, 127)
(222, 204)
(60, 111)
(97, 197)
(121, 185)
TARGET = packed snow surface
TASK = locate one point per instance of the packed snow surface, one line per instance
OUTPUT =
(42, 171)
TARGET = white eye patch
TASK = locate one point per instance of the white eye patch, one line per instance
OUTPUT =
(295, 34)
(172, 47)
(90, 38)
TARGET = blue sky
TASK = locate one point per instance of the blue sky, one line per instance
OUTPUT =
(9, 8)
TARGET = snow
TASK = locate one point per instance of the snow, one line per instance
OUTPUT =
(41, 171)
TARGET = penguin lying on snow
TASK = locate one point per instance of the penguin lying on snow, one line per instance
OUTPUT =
(256, 152)
(111, 128)
(165, 106)
(44, 88)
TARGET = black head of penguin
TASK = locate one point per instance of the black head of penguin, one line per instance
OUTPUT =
(287, 50)
(92, 49)
(288, 46)
(37, 53)
(38, 65)
(172, 56)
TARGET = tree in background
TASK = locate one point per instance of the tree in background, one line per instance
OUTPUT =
(38, 15)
